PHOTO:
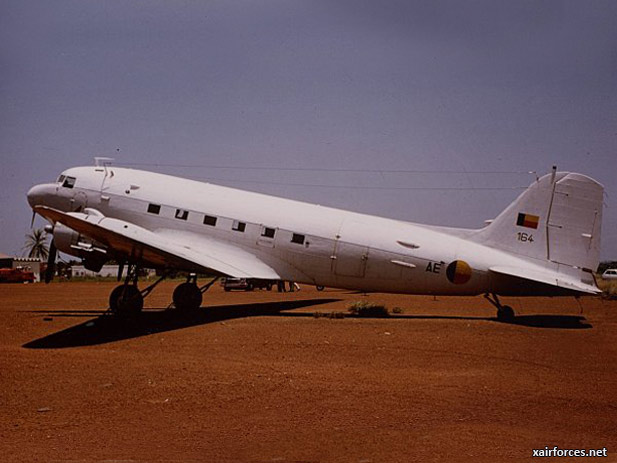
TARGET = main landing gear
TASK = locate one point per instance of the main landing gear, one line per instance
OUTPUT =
(505, 313)
(187, 295)
(127, 300)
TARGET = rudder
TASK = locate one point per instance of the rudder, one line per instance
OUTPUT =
(574, 226)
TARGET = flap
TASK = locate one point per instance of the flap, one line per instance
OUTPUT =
(181, 250)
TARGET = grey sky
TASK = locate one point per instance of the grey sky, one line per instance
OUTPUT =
(439, 85)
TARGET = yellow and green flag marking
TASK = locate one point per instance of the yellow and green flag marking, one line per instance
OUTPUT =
(527, 220)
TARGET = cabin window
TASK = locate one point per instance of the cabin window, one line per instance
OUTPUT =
(238, 226)
(209, 220)
(297, 238)
(182, 214)
(267, 232)
(61, 179)
(69, 182)
(154, 208)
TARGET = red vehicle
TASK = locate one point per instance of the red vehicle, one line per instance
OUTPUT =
(16, 275)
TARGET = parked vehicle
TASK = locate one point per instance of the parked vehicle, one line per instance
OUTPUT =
(16, 275)
(610, 274)
(245, 284)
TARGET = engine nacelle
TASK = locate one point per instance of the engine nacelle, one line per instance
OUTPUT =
(93, 254)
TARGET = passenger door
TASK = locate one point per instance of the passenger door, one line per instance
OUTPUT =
(350, 254)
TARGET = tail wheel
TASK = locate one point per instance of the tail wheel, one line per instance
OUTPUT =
(187, 296)
(126, 301)
(505, 313)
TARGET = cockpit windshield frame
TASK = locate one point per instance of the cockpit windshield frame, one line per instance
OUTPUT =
(69, 182)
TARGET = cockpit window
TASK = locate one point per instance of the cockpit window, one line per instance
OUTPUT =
(61, 178)
(69, 182)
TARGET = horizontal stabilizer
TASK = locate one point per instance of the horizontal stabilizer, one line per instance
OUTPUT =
(547, 277)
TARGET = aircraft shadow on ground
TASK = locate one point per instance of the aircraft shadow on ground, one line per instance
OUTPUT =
(105, 329)
(572, 322)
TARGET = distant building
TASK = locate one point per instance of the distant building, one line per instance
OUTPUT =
(26, 263)
(79, 271)
(111, 270)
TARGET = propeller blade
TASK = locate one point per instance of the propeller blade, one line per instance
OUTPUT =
(32, 221)
(120, 270)
(51, 262)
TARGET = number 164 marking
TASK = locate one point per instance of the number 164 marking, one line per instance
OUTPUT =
(525, 237)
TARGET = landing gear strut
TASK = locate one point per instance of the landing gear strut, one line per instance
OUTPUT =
(504, 312)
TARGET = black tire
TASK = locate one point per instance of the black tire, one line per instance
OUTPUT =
(269, 286)
(250, 287)
(505, 314)
(187, 296)
(126, 301)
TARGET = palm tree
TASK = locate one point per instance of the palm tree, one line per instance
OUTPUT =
(35, 245)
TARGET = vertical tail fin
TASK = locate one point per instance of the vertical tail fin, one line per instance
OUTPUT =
(558, 219)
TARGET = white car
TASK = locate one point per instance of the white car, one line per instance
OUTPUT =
(610, 274)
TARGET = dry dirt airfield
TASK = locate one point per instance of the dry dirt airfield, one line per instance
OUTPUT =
(257, 377)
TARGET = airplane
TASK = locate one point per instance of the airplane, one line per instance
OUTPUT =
(545, 243)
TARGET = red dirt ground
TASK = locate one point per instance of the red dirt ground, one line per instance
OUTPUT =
(257, 377)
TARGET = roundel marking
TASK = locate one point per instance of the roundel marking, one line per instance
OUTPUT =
(458, 272)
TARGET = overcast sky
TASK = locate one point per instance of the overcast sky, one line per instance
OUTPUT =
(462, 86)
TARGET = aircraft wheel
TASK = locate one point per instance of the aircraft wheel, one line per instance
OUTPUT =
(319, 288)
(187, 296)
(126, 301)
(505, 313)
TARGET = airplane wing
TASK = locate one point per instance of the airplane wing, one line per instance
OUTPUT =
(547, 277)
(182, 250)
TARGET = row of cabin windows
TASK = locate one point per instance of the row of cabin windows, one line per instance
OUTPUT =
(238, 226)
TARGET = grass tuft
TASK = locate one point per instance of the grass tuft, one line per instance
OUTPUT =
(330, 315)
(609, 288)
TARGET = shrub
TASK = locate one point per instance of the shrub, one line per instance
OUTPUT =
(368, 309)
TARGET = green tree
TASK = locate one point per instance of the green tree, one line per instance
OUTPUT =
(36, 245)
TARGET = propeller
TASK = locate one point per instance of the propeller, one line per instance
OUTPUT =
(120, 270)
(33, 217)
(51, 262)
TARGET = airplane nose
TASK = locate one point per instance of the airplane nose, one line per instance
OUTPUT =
(36, 194)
